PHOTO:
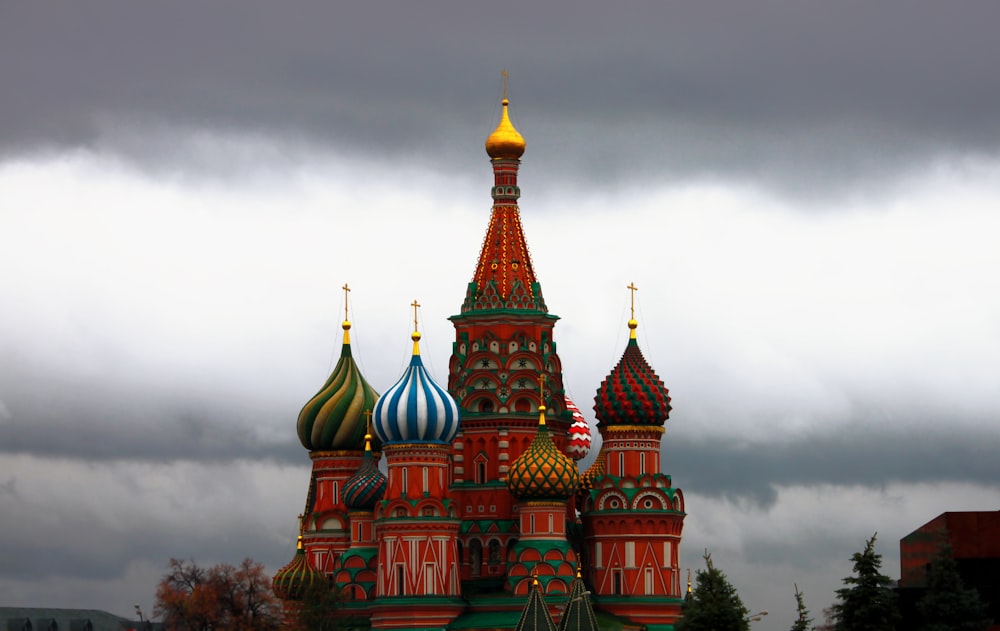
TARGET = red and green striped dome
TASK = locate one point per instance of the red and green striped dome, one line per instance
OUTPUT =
(632, 394)
(334, 419)
(292, 581)
(367, 486)
(542, 471)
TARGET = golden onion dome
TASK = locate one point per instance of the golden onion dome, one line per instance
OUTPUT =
(505, 143)
(542, 472)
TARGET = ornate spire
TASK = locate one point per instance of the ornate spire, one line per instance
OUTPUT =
(504, 276)
(334, 418)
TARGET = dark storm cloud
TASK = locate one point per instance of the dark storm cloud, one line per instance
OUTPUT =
(79, 419)
(779, 90)
(853, 454)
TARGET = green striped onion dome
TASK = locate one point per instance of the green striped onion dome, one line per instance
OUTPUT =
(632, 394)
(367, 486)
(542, 471)
(335, 418)
(292, 581)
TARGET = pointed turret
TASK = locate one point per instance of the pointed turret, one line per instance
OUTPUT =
(579, 613)
(535, 615)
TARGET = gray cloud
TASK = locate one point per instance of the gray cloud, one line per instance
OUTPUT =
(797, 95)
(854, 453)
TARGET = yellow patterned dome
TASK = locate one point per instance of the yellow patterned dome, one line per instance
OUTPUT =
(543, 472)
(505, 143)
(293, 580)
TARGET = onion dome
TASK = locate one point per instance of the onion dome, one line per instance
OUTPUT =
(293, 580)
(334, 418)
(632, 394)
(367, 486)
(505, 143)
(416, 409)
(579, 433)
(542, 471)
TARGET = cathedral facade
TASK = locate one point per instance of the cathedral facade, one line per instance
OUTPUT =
(482, 502)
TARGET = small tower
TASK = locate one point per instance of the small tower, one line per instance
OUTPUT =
(632, 516)
(291, 582)
(357, 568)
(332, 427)
(416, 524)
(542, 479)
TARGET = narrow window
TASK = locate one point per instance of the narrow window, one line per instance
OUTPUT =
(616, 582)
(400, 579)
(424, 475)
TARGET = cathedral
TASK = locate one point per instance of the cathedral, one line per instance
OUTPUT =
(482, 519)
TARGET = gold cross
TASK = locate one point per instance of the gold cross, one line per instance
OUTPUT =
(506, 75)
(541, 388)
(415, 304)
(368, 420)
(631, 287)
(347, 290)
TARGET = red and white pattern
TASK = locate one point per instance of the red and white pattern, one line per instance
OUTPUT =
(579, 434)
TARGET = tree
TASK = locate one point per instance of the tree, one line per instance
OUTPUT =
(319, 608)
(947, 605)
(803, 620)
(713, 604)
(868, 603)
(220, 598)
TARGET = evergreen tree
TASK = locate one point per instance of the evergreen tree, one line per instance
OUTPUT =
(947, 605)
(803, 620)
(868, 603)
(713, 604)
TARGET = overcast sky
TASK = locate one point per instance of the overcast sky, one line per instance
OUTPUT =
(805, 194)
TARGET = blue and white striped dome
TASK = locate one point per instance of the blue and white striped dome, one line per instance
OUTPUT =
(416, 410)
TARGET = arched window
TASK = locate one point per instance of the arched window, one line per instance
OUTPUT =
(475, 556)
(494, 550)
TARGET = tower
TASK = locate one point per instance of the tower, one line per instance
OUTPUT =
(357, 568)
(632, 515)
(416, 524)
(542, 479)
(332, 427)
(503, 341)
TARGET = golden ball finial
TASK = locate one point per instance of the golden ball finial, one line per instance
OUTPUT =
(346, 325)
(632, 324)
(415, 336)
(505, 143)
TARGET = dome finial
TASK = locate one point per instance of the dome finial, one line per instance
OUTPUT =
(347, 323)
(541, 400)
(632, 324)
(505, 143)
(415, 336)
(368, 431)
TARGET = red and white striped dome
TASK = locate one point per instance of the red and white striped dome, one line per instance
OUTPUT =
(579, 434)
